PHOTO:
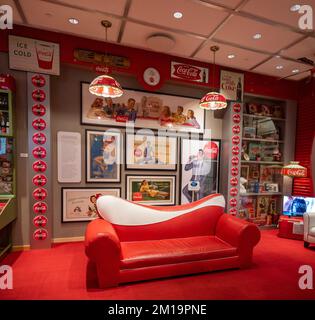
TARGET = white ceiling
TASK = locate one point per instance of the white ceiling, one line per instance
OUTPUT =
(230, 24)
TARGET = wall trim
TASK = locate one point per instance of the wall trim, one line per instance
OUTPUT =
(25, 247)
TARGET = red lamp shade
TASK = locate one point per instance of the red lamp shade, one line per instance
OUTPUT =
(213, 101)
(294, 170)
(105, 86)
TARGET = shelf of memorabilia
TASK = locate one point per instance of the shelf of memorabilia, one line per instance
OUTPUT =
(261, 161)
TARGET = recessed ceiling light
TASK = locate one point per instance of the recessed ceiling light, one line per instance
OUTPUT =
(279, 67)
(295, 7)
(178, 15)
(295, 70)
(231, 56)
(277, 56)
(73, 20)
(257, 36)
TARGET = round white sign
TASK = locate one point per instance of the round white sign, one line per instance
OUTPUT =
(151, 76)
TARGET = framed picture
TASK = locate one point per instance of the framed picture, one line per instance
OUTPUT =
(151, 190)
(150, 152)
(79, 204)
(143, 110)
(200, 161)
(103, 156)
(272, 187)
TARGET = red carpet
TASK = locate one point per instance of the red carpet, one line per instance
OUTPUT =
(59, 273)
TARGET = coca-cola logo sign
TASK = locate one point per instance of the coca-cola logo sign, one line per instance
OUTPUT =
(40, 194)
(237, 107)
(38, 110)
(40, 234)
(233, 211)
(102, 69)
(39, 138)
(233, 202)
(236, 118)
(39, 153)
(235, 150)
(38, 95)
(295, 172)
(40, 221)
(38, 80)
(233, 192)
(234, 181)
(235, 161)
(39, 180)
(186, 71)
(40, 208)
(211, 150)
(236, 129)
(236, 140)
(39, 124)
(39, 166)
(234, 171)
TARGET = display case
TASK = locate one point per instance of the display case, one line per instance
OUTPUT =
(7, 164)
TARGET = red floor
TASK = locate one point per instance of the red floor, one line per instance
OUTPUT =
(59, 273)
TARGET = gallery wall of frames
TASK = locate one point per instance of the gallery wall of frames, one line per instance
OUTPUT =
(151, 145)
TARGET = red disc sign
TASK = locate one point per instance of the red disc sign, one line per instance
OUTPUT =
(39, 124)
(40, 194)
(234, 171)
(237, 107)
(236, 129)
(40, 221)
(233, 192)
(233, 181)
(39, 110)
(235, 161)
(39, 180)
(236, 139)
(233, 202)
(39, 138)
(38, 80)
(236, 118)
(211, 150)
(40, 234)
(40, 208)
(40, 166)
(39, 153)
(235, 150)
(233, 211)
(38, 95)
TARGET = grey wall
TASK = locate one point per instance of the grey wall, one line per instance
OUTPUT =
(65, 116)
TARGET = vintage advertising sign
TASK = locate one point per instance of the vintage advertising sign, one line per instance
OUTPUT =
(189, 72)
(34, 55)
(232, 85)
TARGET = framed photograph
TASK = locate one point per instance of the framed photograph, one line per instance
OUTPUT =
(103, 156)
(272, 187)
(143, 110)
(151, 190)
(200, 162)
(150, 152)
(79, 204)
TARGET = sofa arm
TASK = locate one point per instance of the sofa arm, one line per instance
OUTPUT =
(309, 220)
(240, 234)
(102, 246)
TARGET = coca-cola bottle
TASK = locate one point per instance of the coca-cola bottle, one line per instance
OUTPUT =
(204, 76)
(239, 90)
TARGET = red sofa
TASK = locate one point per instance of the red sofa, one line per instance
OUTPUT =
(133, 242)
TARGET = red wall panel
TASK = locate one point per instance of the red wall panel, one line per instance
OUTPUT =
(304, 136)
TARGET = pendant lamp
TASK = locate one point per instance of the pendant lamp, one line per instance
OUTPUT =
(213, 100)
(105, 85)
(294, 170)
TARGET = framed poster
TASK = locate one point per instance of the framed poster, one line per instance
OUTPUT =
(232, 85)
(79, 204)
(69, 157)
(151, 190)
(103, 156)
(200, 162)
(150, 151)
(143, 110)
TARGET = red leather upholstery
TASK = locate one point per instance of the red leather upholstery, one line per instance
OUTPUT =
(197, 238)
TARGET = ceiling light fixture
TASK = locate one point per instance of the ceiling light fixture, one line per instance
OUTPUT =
(257, 36)
(279, 67)
(177, 15)
(213, 100)
(295, 70)
(294, 170)
(295, 7)
(73, 20)
(105, 85)
(231, 56)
